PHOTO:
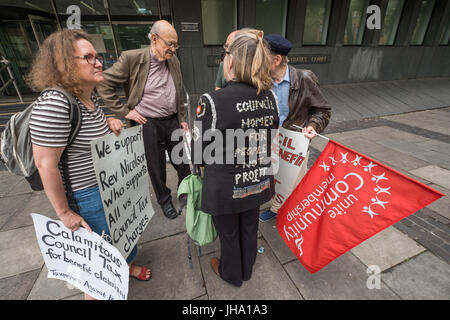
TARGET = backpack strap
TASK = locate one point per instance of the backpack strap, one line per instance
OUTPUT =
(75, 125)
(74, 112)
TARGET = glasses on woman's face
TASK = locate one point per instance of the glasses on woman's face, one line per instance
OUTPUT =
(91, 59)
(223, 54)
(170, 44)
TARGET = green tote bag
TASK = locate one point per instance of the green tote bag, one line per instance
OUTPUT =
(199, 225)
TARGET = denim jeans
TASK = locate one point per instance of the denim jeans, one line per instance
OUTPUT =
(90, 207)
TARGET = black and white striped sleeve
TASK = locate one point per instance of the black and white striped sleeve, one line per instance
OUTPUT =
(50, 123)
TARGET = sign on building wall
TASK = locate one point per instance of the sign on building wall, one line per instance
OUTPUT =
(309, 58)
(214, 60)
(190, 26)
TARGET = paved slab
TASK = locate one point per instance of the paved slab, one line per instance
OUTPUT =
(399, 160)
(434, 174)
(160, 226)
(382, 95)
(436, 145)
(380, 250)
(364, 146)
(8, 181)
(268, 281)
(344, 278)
(21, 187)
(51, 289)
(18, 287)
(270, 233)
(423, 277)
(430, 124)
(409, 148)
(172, 278)
(378, 133)
(9, 205)
(342, 111)
(35, 203)
(441, 206)
(19, 252)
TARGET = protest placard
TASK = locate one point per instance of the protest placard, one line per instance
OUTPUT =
(122, 175)
(291, 154)
(82, 259)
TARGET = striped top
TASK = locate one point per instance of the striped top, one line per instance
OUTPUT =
(50, 127)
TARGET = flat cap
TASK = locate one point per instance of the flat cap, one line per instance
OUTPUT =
(278, 44)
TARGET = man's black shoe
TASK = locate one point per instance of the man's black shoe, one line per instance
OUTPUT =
(169, 211)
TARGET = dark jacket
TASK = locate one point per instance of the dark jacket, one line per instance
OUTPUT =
(307, 104)
(236, 185)
(131, 71)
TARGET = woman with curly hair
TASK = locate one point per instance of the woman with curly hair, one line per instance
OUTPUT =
(68, 60)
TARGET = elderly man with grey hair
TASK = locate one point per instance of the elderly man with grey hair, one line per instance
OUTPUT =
(151, 78)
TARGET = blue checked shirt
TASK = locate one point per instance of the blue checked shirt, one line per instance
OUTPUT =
(282, 92)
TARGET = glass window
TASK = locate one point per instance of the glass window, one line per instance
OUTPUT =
(87, 7)
(316, 22)
(219, 19)
(43, 5)
(18, 46)
(134, 7)
(102, 39)
(446, 34)
(391, 22)
(94, 22)
(165, 7)
(117, 7)
(425, 11)
(271, 16)
(132, 36)
(356, 22)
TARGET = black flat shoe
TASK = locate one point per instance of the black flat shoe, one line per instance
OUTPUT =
(169, 210)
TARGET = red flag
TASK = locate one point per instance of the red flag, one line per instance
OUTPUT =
(344, 199)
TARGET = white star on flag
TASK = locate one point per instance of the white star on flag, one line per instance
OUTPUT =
(380, 177)
(333, 161)
(382, 190)
(379, 202)
(298, 243)
(370, 212)
(357, 159)
(325, 167)
(344, 157)
(369, 167)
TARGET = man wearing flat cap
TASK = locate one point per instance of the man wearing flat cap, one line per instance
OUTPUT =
(300, 100)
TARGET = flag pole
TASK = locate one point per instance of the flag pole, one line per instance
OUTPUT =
(319, 135)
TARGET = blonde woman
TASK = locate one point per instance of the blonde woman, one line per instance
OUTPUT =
(68, 60)
(237, 179)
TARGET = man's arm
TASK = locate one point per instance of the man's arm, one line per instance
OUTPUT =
(319, 108)
(117, 75)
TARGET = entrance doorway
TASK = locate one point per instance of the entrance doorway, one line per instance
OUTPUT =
(19, 41)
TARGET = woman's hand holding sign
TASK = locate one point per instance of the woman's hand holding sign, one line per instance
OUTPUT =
(115, 125)
(73, 221)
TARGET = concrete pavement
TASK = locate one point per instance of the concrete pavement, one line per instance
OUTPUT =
(412, 256)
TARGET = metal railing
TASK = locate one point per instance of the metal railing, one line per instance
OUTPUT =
(5, 64)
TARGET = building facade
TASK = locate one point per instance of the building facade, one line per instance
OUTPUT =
(338, 39)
